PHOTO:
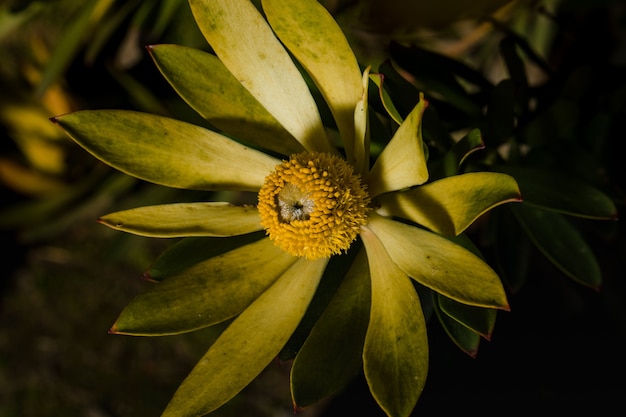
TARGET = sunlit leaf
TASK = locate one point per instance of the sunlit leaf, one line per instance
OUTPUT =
(395, 354)
(249, 344)
(206, 293)
(186, 219)
(402, 163)
(219, 97)
(314, 38)
(440, 264)
(449, 205)
(246, 45)
(167, 151)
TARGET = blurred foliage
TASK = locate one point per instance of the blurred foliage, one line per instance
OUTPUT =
(542, 80)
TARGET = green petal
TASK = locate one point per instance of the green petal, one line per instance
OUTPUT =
(186, 219)
(449, 205)
(402, 163)
(167, 151)
(206, 85)
(249, 344)
(206, 293)
(395, 355)
(331, 355)
(439, 264)
(314, 38)
(246, 45)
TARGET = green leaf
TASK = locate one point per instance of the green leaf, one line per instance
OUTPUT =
(561, 243)
(206, 293)
(561, 193)
(331, 355)
(167, 151)
(451, 162)
(249, 344)
(314, 38)
(395, 354)
(186, 219)
(245, 43)
(451, 204)
(402, 163)
(385, 99)
(190, 251)
(440, 264)
(479, 320)
(209, 88)
(463, 337)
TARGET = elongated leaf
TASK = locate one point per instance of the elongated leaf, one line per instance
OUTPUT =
(403, 162)
(186, 219)
(206, 85)
(193, 250)
(331, 355)
(246, 45)
(207, 293)
(557, 192)
(395, 355)
(449, 205)
(314, 38)
(249, 344)
(561, 243)
(479, 320)
(464, 338)
(451, 162)
(167, 151)
(361, 147)
(439, 264)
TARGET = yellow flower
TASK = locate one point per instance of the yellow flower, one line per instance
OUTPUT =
(324, 216)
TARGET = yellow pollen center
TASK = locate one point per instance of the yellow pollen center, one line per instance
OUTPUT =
(313, 205)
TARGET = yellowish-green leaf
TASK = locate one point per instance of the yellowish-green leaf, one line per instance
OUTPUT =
(402, 163)
(463, 337)
(440, 264)
(478, 319)
(361, 159)
(249, 344)
(385, 99)
(206, 293)
(246, 45)
(395, 354)
(449, 205)
(167, 151)
(331, 355)
(206, 85)
(314, 38)
(186, 219)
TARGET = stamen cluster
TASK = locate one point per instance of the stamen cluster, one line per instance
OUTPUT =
(313, 205)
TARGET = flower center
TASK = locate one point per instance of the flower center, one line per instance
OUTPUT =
(313, 205)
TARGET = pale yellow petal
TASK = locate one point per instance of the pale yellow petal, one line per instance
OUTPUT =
(440, 264)
(245, 43)
(402, 163)
(250, 343)
(361, 160)
(314, 38)
(186, 219)
(449, 205)
(395, 354)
